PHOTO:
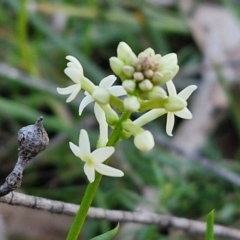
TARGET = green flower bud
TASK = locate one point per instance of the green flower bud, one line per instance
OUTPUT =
(166, 76)
(157, 77)
(131, 104)
(125, 53)
(157, 93)
(149, 52)
(129, 85)
(157, 59)
(148, 73)
(138, 76)
(116, 65)
(168, 67)
(174, 104)
(170, 58)
(145, 85)
(128, 71)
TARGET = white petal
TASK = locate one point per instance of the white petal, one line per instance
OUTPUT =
(170, 123)
(75, 92)
(107, 81)
(102, 154)
(84, 143)
(117, 91)
(71, 65)
(108, 171)
(86, 100)
(99, 113)
(184, 113)
(185, 93)
(66, 90)
(171, 88)
(103, 125)
(75, 149)
(74, 74)
(90, 172)
(76, 63)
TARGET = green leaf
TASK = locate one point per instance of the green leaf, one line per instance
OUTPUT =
(210, 225)
(108, 235)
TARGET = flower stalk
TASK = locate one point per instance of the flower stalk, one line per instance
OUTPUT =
(92, 187)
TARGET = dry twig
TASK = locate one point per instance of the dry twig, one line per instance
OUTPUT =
(143, 217)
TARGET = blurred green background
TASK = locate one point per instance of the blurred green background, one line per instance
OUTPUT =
(35, 37)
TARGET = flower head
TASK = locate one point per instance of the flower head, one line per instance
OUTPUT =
(74, 71)
(94, 160)
(146, 70)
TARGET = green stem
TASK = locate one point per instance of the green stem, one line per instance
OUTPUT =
(92, 187)
(23, 38)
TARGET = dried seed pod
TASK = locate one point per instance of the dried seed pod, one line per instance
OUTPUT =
(32, 140)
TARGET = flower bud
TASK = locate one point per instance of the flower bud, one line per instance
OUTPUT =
(138, 76)
(166, 76)
(144, 141)
(149, 73)
(128, 70)
(157, 77)
(170, 58)
(157, 93)
(125, 53)
(101, 95)
(145, 85)
(149, 52)
(131, 104)
(157, 59)
(116, 65)
(168, 67)
(174, 104)
(129, 85)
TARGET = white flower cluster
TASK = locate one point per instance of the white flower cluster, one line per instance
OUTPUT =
(142, 77)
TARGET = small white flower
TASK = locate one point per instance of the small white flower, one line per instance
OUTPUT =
(106, 85)
(94, 160)
(184, 113)
(74, 71)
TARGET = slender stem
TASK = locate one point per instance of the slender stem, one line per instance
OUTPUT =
(92, 187)
(23, 38)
